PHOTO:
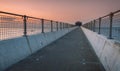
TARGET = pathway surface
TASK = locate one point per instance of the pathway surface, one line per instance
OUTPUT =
(72, 52)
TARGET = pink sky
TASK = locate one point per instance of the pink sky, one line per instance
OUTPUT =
(61, 10)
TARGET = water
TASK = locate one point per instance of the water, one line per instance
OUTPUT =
(9, 33)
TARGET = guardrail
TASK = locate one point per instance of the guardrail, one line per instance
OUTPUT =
(108, 25)
(16, 25)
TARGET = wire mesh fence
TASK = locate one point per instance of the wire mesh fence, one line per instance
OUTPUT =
(97, 25)
(15, 25)
(105, 26)
(33, 26)
(108, 25)
(116, 26)
(47, 25)
(54, 26)
(10, 26)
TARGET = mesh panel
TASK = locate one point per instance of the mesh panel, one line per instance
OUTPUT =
(97, 26)
(47, 26)
(105, 26)
(10, 26)
(14, 25)
(33, 26)
(116, 26)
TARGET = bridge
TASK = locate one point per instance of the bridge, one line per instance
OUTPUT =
(34, 44)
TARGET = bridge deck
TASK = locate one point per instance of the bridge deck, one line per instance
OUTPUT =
(72, 52)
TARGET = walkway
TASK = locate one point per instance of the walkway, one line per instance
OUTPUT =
(72, 52)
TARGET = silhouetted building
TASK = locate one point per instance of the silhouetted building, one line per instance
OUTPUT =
(78, 23)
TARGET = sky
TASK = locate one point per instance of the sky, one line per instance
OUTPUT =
(68, 11)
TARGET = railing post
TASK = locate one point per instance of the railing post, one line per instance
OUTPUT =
(111, 22)
(42, 21)
(94, 27)
(90, 26)
(99, 32)
(57, 26)
(51, 26)
(60, 26)
(25, 25)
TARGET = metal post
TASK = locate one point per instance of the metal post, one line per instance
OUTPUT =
(111, 22)
(91, 25)
(94, 25)
(51, 26)
(60, 26)
(57, 26)
(42, 21)
(25, 25)
(99, 32)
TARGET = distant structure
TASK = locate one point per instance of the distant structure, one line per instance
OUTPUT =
(78, 23)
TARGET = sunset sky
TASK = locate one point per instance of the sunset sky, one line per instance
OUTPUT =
(61, 10)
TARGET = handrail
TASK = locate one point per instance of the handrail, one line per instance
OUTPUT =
(109, 29)
(11, 13)
(18, 26)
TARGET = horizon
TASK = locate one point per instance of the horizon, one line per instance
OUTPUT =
(61, 10)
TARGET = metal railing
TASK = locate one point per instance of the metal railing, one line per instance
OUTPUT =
(16, 25)
(108, 25)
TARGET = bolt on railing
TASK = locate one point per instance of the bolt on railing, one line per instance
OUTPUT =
(108, 25)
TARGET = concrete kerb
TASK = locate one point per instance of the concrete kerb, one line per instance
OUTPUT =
(107, 50)
(41, 40)
(12, 51)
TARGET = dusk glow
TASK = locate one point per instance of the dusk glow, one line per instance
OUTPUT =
(61, 10)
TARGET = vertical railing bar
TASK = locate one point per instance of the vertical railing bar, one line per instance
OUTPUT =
(42, 21)
(94, 26)
(25, 25)
(111, 22)
(57, 26)
(60, 26)
(100, 19)
(51, 26)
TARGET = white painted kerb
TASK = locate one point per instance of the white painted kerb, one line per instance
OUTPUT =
(107, 50)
